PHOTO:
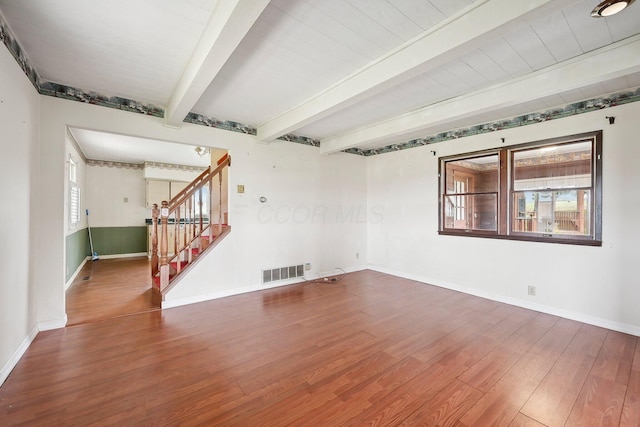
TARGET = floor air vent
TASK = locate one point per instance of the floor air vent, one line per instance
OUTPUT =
(282, 273)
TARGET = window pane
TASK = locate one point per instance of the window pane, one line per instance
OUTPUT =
(473, 175)
(74, 204)
(552, 212)
(471, 212)
(553, 167)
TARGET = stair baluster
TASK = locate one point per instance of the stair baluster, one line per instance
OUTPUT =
(155, 213)
(220, 202)
(189, 241)
(164, 244)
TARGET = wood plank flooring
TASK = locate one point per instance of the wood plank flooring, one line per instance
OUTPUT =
(109, 288)
(369, 350)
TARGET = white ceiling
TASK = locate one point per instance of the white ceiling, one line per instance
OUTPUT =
(350, 73)
(130, 149)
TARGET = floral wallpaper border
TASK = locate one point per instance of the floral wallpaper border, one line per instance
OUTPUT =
(80, 95)
(172, 166)
(112, 164)
(9, 40)
(199, 119)
(143, 165)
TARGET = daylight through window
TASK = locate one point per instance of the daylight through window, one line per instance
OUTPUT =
(544, 191)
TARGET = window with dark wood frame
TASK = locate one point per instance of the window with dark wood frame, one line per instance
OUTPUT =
(548, 191)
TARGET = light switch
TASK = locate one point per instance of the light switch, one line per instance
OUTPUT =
(240, 188)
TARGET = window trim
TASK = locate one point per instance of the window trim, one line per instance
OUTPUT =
(505, 193)
(74, 195)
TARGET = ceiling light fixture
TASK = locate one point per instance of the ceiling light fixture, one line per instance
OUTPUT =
(202, 151)
(610, 7)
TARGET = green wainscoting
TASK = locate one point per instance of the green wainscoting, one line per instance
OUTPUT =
(119, 240)
(106, 241)
(77, 246)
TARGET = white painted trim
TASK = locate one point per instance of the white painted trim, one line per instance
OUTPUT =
(114, 256)
(226, 293)
(237, 291)
(17, 355)
(73, 276)
(53, 324)
(567, 314)
(26, 342)
(336, 272)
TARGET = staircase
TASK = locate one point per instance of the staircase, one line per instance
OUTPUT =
(184, 227)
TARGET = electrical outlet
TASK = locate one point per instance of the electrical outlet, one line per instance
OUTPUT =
(531, 290)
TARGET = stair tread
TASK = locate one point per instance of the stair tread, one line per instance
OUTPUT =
(195, 253)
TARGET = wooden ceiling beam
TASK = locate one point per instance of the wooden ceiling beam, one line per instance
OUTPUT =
(229, 23)
(607, 63)
(483, 20)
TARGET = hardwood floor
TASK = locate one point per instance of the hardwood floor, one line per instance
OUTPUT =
(109, 288)
(370, 350)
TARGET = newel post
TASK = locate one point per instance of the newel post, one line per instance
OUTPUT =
(155, 213)
(164, 245)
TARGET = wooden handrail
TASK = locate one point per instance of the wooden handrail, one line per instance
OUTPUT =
(197, 183)
(223, 158)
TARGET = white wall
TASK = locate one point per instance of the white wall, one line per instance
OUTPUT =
(315, 212)
(107, 189)
(291, 176)
(592, 284)
(19, 115)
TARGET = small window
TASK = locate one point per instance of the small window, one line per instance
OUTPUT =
(552, 190)
(471, 194)
(543, 191)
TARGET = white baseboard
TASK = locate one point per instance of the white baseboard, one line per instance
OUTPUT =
(226, 293)
(75, 273)
(17, 355)
(48, 325)
(237, 291)
(567, 314)
(335, 272)
(26, 342)
(113, 256)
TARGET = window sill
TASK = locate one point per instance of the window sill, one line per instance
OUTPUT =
(522, 238)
